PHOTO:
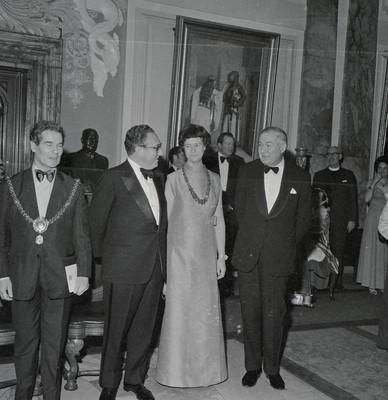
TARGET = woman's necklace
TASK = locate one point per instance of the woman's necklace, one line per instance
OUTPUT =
(192, 192)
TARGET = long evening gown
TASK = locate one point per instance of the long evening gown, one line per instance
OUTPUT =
(191, 347)
(373, 260)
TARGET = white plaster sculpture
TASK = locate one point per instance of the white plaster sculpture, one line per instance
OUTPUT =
(103, 47)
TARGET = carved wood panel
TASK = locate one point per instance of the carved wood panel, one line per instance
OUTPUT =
(39, 61)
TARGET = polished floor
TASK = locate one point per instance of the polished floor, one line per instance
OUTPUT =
(330, 353)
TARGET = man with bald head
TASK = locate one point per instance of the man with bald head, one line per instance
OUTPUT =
(273, 210)
(341, 187)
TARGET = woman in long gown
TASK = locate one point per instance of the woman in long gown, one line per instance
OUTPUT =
(191, 347)
(373, 258)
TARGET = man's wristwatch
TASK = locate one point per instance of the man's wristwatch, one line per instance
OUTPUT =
(224, 256)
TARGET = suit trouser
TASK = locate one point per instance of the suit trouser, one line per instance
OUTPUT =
(263, 308)
(382, 337)
(130, 313)
(39, 321)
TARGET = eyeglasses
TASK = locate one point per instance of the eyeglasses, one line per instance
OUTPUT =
(156, 148)
(332, 154)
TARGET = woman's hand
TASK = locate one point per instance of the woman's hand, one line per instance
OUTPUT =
(221, 267)
(376, 180)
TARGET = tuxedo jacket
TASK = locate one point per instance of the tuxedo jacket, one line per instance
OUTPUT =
(271, 237)
(123, 228)
(212, 164)
(65, 242)
(341, 188)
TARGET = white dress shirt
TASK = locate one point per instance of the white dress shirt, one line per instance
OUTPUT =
(272, 184)
(224, 171)
(43, 191)
(148, 186)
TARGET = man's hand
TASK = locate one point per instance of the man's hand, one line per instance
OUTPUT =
(351, 226)
(81, 285)
(6, 292)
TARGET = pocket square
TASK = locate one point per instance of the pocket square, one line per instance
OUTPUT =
(345, 180)
(292, 191)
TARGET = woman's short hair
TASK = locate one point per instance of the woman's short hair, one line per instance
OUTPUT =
(379, 160)
(194, 131)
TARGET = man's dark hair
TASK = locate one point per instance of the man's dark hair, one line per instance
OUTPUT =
(220, 139)
(194, 131)
(135, 136)
(174, 152)
(44, 125)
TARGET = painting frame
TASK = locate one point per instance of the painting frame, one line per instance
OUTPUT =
(223, 79)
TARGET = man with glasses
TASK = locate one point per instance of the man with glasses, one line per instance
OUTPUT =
(341, 186)
(128, 222)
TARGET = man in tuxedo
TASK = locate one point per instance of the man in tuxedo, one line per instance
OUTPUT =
(128, 227)
(226, 163)
(273, 209)
(43, 229)
(177, 159)
(341, 186)
(86, 164)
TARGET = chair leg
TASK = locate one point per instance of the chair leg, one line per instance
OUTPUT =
(73, 347)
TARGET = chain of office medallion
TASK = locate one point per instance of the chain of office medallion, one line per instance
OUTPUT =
(56, 216)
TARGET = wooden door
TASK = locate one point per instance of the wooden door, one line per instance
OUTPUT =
(14, 150)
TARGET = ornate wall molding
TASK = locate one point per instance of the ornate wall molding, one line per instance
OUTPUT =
(86, 27)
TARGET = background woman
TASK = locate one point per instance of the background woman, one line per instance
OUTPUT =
(191, 349)
(373, 259)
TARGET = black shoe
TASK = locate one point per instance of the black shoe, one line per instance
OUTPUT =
(276, 381)
(108, 393)
(141, 392)
(250, 378)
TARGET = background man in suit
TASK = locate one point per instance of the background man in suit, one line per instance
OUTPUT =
(128, 228)
(177, 159)
(226, 164)
(341, 186)
(273, 208)
(86, 164)
(43, 229)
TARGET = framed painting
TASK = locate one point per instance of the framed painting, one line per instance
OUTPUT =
(223, 79)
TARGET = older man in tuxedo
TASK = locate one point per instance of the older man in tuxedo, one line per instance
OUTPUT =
(226, 163)
(43, 230)
(128, 227)
(273, 208)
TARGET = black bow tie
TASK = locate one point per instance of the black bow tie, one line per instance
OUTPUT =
(267, 168)
(41, 174)
(224, 158)
(147, 173)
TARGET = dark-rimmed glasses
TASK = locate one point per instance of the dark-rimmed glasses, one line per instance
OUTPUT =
(156, 148)
(333, 154)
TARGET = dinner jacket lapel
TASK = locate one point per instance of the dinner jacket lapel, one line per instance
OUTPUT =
(159, 184)
(27, 196)
(284, 192)
(59, 196)
(259, 191)
(136, 191)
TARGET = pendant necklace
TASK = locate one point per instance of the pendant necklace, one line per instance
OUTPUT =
(191, 189)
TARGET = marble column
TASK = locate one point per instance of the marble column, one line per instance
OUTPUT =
(318, 75)
(358, 91)
(359, 78)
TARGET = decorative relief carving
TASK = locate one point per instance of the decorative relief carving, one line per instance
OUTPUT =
(86, 29)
